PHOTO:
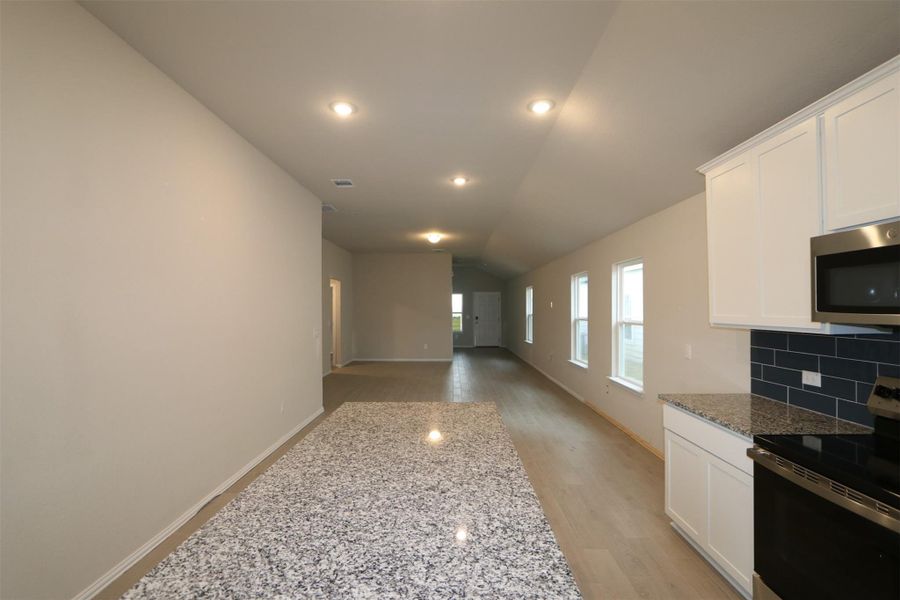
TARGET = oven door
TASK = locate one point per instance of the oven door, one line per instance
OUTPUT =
(856, 276)
(809, 547)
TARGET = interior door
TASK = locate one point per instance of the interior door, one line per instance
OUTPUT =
(486, 312)
(336, 354)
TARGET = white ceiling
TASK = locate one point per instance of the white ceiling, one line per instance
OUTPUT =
(646, 92)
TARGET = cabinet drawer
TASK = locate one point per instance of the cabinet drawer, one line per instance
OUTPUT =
(728, 446)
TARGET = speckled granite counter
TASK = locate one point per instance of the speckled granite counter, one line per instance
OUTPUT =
(382, 500)
(750, 415)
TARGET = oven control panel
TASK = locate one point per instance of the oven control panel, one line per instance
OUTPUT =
(885, 398)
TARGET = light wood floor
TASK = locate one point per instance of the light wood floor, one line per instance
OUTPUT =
(601, 491)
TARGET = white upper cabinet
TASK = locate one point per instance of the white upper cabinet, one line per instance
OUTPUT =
(835, 164)
(788, 192)
(732, 222)
(862, 156)
(762, 208)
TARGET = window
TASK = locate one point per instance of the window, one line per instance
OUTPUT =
(456, 312)
(628, 316)
(580, 319)
(529, 314)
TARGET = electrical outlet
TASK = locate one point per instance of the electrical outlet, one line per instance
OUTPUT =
(688, 352)
(426, 346)
(813, 379)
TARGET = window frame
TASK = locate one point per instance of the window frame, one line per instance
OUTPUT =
(618, 326)
(529, 314)
(575, 319)
(453, 314)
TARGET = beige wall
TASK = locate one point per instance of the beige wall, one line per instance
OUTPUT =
(467, 280)
(337, 263)
(673, 245)
(160, 301)
(401, 304)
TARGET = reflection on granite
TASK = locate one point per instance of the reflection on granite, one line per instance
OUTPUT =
(381, 500)
(749, 415)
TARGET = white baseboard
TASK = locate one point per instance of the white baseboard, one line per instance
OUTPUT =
(153, 542)
(571, 392)
(403, 360)
(473, 346)
(647, 445)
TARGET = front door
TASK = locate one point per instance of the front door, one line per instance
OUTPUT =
(486, 313)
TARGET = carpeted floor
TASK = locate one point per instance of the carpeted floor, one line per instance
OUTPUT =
(381, 500)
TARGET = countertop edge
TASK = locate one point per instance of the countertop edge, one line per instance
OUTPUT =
(680, 402)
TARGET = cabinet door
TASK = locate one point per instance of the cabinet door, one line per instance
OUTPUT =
(862, 156)
(686, 486)
(732, 221)
(788, 195)
(730, 520)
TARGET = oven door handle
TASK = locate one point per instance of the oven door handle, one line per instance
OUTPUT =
(828, 489)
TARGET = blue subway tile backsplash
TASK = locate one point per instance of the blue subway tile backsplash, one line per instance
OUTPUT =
(849, 365)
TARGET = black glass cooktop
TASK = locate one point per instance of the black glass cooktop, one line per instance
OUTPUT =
(868, 463)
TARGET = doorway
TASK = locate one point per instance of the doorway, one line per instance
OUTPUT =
(486, 311)
(336, 354)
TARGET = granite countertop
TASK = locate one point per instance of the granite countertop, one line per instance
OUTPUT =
(749, 415)
(382, 500)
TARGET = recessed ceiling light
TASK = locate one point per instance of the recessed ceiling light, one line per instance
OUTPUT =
(434, 436)
(540, 107)
(460, 180)
(434, 238)
(343, 109)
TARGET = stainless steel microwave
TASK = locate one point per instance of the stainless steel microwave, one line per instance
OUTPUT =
(856, 276)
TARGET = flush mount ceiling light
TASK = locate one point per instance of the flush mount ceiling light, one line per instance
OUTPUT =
(540, 107)
(460, 181)
(343, 109)
(433, 237)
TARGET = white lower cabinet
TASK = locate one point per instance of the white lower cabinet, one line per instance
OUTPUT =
(730, 520)
(708, 498)
(686, 485)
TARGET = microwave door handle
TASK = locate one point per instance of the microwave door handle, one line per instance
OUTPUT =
(827, 489)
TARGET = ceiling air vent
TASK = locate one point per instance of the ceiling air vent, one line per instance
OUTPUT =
(328, 208)
(342, 183)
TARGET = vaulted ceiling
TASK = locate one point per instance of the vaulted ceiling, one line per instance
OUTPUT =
(645, 92)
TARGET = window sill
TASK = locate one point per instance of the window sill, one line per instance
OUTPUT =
(578, 363)
(529, 342)
(631, 387)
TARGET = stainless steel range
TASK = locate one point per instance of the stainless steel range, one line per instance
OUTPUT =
(827, 510)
